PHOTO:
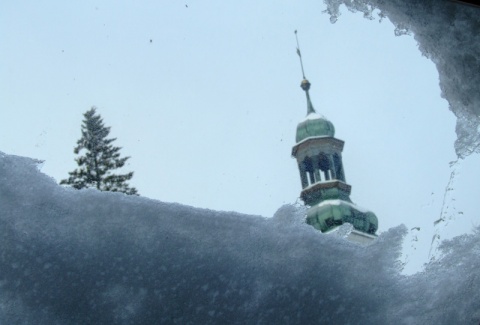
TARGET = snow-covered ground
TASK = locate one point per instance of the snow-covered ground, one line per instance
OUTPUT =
(89, 257)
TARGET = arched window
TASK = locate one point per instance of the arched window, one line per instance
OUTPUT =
(309, 170)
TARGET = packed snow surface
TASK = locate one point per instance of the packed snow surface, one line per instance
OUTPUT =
(87, 257)
(448, 33)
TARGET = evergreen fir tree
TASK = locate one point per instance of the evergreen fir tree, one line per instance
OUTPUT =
(98, 158)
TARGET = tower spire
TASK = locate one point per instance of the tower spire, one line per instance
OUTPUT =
(324, 188)
(305, 83)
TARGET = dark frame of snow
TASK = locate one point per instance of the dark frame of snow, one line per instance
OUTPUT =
(88, 257)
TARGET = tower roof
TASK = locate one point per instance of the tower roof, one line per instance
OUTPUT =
(332, 213)
(314, 125)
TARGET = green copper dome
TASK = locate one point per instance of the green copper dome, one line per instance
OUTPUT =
(333, 213)
(314, 125)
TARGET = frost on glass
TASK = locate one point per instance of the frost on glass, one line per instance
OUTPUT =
(447, 33)
(87, 257)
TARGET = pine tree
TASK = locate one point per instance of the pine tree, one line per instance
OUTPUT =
(98, 158)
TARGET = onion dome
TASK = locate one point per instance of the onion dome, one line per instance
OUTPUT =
(314, 125)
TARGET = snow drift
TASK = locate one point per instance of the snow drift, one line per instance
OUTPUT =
(448, 33)
(89, 257)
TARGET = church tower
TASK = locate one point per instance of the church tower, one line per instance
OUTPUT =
(324, 187)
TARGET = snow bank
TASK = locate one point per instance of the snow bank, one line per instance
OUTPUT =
(449, 34)
(88, 257)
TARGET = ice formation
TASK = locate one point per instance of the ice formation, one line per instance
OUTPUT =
(89, 257)
(448, 33)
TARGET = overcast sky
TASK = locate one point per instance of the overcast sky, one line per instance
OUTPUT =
(205, 98)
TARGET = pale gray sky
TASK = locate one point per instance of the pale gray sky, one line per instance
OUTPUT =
(208, 108)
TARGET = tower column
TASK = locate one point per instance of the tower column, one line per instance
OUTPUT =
(332, 167)
(303, 177)
(316, 169)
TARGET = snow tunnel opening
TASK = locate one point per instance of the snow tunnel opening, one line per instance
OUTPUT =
(419, 183)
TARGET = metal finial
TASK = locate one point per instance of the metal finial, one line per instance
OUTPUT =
(305, 83)
(299, 55)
